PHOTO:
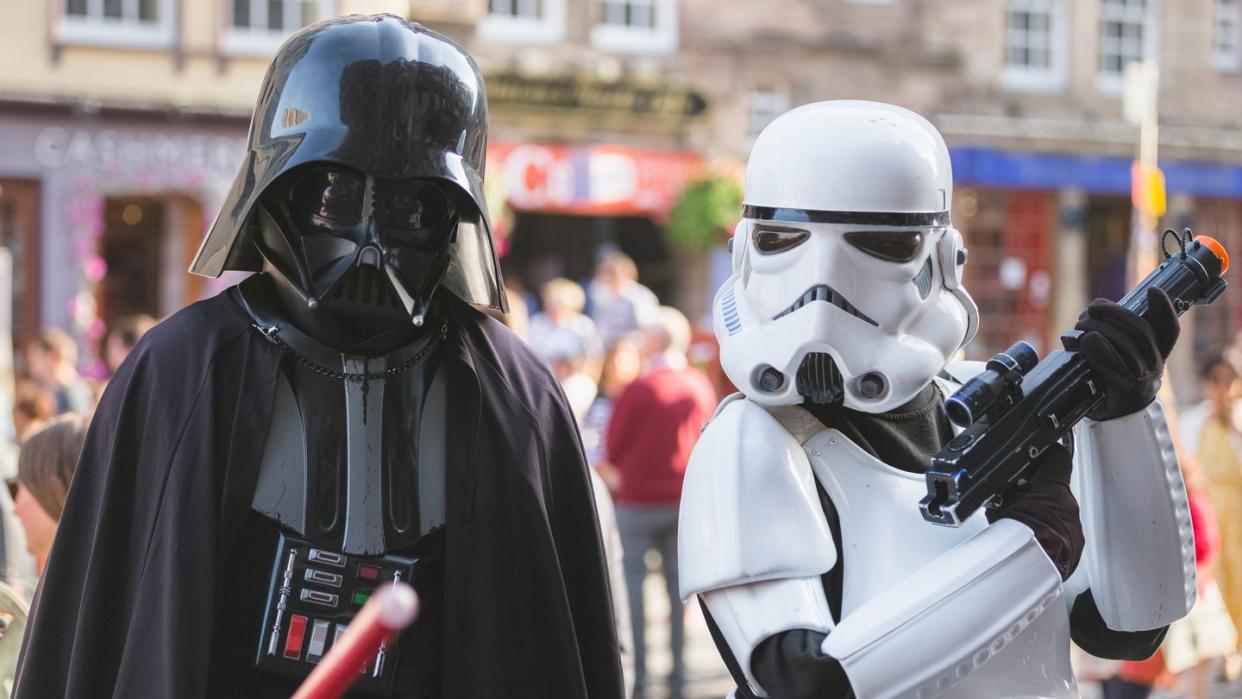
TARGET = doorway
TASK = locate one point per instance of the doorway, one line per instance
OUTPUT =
(1107, 223)
(147, 245)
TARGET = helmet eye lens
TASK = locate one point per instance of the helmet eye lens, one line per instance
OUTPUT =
(413, 214)
(890, 246)
(412, 205)
(769, 241)
(335, 195)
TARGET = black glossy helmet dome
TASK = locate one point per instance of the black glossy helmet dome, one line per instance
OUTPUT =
(381, 96)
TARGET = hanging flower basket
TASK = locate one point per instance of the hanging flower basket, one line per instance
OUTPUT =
(705, 213)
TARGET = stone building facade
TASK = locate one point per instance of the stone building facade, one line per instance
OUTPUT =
(601, 111)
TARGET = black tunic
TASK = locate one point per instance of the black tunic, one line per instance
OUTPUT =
(163, 491)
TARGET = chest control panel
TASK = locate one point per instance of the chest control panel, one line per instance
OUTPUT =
(312, 596)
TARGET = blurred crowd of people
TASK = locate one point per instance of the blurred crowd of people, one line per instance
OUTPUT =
(43, 432)
(622, 361)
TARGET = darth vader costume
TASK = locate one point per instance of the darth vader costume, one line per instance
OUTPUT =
(265, 458)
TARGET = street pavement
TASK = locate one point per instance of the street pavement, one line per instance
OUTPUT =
(706, 676)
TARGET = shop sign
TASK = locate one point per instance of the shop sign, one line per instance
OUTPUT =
(573, 93)
(58, 147)
(591, 180)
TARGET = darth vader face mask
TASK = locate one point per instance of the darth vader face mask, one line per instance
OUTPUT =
(356, 245)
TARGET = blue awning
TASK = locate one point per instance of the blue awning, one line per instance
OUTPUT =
(988, 167)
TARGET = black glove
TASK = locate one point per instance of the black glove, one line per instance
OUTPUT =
(1127, 351)
(1046, 505)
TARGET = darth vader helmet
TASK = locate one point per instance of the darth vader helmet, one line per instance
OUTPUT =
(847, 273)
(362, 185)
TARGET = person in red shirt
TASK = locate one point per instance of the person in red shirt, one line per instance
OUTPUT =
(654, 426)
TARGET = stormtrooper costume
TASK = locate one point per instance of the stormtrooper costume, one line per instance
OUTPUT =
(800, 531)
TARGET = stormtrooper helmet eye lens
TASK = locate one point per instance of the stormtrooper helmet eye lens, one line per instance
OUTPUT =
(332, 194)
(890, 246)
(413, 205)
(769, 241)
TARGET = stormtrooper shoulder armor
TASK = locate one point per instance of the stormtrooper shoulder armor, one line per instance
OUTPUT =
(749, 509)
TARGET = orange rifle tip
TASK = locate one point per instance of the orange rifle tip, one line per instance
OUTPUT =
(1215, 246)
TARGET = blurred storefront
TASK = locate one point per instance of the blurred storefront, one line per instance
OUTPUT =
(103, 211)
(581, 165)
(1049, 232)
(569, 204)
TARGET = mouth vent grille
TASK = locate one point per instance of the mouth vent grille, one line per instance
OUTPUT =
(819, 380)
(823, 292)
(365, 285)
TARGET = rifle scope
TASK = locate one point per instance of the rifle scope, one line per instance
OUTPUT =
(996, 387)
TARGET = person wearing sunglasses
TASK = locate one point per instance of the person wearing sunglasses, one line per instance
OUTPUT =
(345, 416)
(45, 466)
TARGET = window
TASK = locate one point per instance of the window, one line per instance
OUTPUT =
(642, 26)
(765, 106)
(1227, 35)
(1127, 35)
(125, 23)
(258, 27)
(1034, 44)
(630, 13)
(535, 21)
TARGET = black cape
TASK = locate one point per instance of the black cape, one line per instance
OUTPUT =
(125, 607)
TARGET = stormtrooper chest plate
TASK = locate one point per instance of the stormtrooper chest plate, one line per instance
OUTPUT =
(883, 536)
(356, 465)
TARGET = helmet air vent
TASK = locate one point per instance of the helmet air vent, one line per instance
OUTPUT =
(769, 379)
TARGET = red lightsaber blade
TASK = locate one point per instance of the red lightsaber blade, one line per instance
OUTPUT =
(392, 608)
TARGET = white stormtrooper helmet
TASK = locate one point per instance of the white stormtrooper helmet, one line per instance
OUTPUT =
(847, 273)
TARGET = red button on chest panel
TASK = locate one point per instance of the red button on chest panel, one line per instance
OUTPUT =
(367, 572)
(297, 632)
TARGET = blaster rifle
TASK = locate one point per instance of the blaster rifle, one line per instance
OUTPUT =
(1020, 406)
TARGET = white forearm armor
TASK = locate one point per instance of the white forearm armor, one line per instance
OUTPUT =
(985, 620)
(1139, 561)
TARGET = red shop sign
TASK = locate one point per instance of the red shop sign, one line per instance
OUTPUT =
(591, 180)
